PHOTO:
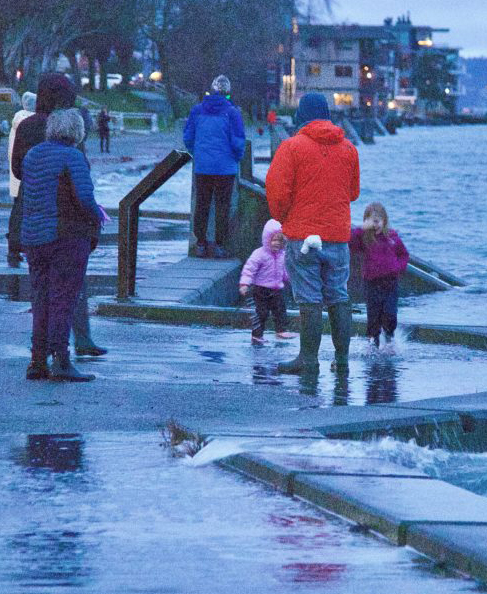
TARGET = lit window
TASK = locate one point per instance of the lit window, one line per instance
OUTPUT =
(343, 71)
(343, 98)
(314, 69)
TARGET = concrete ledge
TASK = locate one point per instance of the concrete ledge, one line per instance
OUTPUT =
(15, 283)
(239, 317)
(280, 470)
(389, 505)
(470, 336)
(459, 546)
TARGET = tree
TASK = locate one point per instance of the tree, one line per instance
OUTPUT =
(431, 77)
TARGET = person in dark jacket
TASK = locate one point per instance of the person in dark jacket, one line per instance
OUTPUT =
(60, 224)
(215, 135)
(54, 91)
(104, 129)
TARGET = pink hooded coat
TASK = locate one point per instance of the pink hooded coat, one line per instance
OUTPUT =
(264, 267)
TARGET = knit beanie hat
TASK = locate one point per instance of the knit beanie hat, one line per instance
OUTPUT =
(54, 91)
(221, 85)
(29, 101)
(312, 106)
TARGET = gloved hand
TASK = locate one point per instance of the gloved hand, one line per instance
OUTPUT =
(312, 241)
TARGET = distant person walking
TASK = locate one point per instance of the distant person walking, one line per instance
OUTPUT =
(215, 135)
(384, 258)
(264, 274)
(60, 226)
(311, 181)
(29, 106)
(104, 129)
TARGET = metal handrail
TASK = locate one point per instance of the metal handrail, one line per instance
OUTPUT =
(128, 218)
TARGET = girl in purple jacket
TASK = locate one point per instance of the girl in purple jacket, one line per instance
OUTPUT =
(266, 273)
(384, 259)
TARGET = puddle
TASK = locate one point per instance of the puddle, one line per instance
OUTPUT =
(111, 513)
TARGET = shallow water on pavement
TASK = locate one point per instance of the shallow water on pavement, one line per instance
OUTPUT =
(112, 512)
(412, 371)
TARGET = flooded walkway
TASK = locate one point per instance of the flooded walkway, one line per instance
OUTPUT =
(111, 513)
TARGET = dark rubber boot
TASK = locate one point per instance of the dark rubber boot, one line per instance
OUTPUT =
(38, 368)
(83, 344)
(340, 317)
(91, 350)
(311, 319)
(62, 370)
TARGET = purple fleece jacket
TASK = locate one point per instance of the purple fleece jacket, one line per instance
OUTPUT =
(264, 267)
(386, 256)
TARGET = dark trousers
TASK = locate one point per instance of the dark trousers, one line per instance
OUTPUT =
(56, 271)
(269, 300)
(105, 141)
(208, 187)
(381, 296)
(14, 223)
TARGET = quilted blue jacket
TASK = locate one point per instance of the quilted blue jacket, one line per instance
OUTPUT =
(215, 135)
(58, 198)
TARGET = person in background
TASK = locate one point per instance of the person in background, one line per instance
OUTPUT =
(88, 122)
(311, 181)
(215, 135)
(14, 256)
(54, 91)
(272, 117)
(384, 258)
(104, 129)
(60, 226)
(265, 273)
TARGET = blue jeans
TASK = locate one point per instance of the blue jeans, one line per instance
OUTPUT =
(320, 276)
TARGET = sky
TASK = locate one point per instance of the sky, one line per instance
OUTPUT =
(466, 19)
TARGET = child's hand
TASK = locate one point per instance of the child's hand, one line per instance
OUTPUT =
(243, 289)
(368, 224)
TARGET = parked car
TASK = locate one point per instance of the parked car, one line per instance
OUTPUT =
(113, 80)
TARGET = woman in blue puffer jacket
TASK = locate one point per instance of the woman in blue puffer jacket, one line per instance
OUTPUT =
(60, 226)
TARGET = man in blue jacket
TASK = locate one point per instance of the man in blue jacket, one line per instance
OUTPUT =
(215, 135)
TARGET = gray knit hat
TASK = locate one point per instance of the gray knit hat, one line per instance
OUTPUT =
(221, 85)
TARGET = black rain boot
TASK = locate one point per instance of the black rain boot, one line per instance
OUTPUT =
(311, 319)
(38, 368)
(340, 317)
(83, 343)
(62, 370)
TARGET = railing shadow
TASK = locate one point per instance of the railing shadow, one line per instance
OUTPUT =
(128, 218)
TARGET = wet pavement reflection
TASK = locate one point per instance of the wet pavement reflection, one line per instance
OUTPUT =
(113, 512)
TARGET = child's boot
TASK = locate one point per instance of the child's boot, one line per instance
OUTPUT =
(286, 335)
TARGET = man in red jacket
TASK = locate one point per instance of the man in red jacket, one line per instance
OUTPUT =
(311, 181)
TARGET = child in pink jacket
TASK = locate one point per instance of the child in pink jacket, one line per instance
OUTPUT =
(266, 273)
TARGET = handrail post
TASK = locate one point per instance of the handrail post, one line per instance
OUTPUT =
(122, 251)
(154, 124)
(133, 234)
(246, 165)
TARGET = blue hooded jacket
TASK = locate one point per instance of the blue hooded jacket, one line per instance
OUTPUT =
(215, 135)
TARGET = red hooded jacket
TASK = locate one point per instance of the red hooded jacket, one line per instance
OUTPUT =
(312, 180)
